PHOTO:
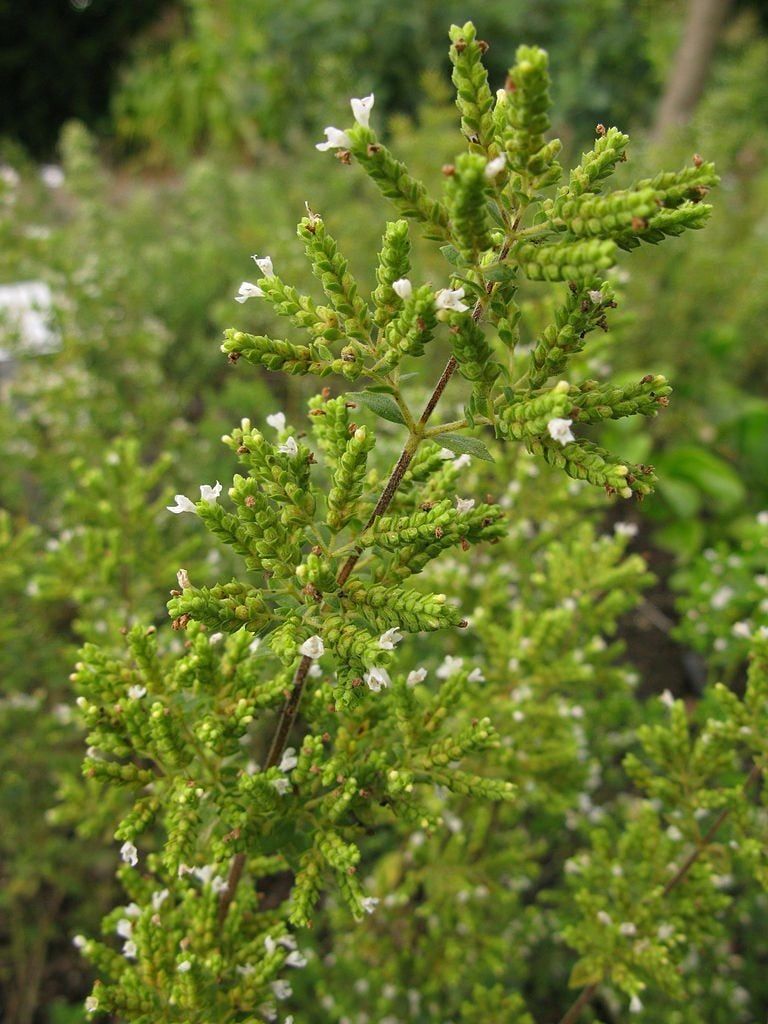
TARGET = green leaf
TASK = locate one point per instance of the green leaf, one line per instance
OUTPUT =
(462, 445)
(383, 405)
(453, 255)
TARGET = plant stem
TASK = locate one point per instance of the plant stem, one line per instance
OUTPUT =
(586, 995)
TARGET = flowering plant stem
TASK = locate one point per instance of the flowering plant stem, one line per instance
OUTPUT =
(587, 994)
(292, 702)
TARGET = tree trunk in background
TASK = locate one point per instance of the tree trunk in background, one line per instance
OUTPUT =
(688, 75)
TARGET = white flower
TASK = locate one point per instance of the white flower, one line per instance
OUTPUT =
(446, 453)
(560, 430)
(376, 678)
(417, 676)
(9, 176)
(665, 931)
(464, 505)
(289, 759)
(182, 578)
(635, 1005)
(390, 638)
(129, 949)
(290, 448)
(133, 910)
(219, 884)
(295, 959)
(282, 989)
(362, 109)
(91, 1004)
(604, 918)
(596, 296)
(79, 942)
(185, 869)
(667, 699)
(265, 265)
(159, 898)
(183, 504)
(450, 298)
(137, 692)
(721, 597)
(184, 966)
(625, 529)
(210, 494)
(277, 420)
(269, 944)
(124, 928)
(254, 645)
(495, 167)
(334, 139)
(52, 176)
(762, 518)
(403, 288)
(462, 461)
(129, 853)
(313, 648)
(450, 667)
(628, 928)
(369, 904)
(248, 291)
(742, 629)
(282, 786)
(476, 676)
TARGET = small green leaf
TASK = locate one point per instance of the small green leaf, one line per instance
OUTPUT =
(462, 445)
(453, 255)
(383, 405)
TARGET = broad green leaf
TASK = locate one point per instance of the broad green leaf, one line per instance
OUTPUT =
(462, 445)
(383, 405)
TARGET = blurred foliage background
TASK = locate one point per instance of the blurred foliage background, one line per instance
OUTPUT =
(148, 150)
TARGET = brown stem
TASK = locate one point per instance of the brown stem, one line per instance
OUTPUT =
(585, 996)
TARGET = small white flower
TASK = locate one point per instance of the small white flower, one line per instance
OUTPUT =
(130, 950)
(91, 1004)
(282, 989)
(446, 454)
(450, 298)
(417, 676)
(79, 942)
(315, 672)
(290, 448)
(362, 109)
(295, 959)
(628, 928)
(665, 931)
(129, 853)
(182, 578)
(269, 944)
(124, 928)
(604, 918)
(289, 760)
(369, 904)
(133, 910)
(450, 667)
(464, 505)
(51, 176)
(282, 786)
(210, 494)
(185, 869)
(742, 630)
(376, 678)
(313, 648)
(390, 638)
(462, 461)
(277, 420)
(137, 692)
(402, 288)
(560, 430)
(183, 504)
(625, 529)
(219, 884)
(635, 1005)
(721, 597)
(495, 167)
(159, 898)
(476, 676)
(596, 296)
(762, 518)
(184, 966)
(334, 139)
(667, 699)
(248, 291)
(254, 645)
(265, 265)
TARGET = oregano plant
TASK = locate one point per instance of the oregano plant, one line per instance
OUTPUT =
(270, 752)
